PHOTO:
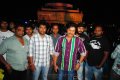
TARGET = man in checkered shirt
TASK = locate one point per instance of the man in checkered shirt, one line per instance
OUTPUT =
(40, 48)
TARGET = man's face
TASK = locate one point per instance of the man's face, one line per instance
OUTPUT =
(4, 25)
(12, 24)
(55, 29)
(98, 31)
(42, 29)
(29, 31)
(19, 31)
(71, 31)
(80, 29)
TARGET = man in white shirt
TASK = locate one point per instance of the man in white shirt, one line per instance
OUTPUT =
(40, 48)
(28, 32)
(4, 33)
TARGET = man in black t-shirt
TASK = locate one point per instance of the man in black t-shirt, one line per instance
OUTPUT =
(97, 54)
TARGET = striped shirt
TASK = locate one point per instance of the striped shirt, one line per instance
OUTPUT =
(116, 55)
(40, 49)
(68, 51)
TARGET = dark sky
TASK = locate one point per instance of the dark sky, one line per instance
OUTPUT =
(95, 11)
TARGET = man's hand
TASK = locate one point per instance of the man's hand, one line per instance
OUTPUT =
(8, 67)
(51, 63)
(32, 67)
(77, 66)
(98, 67)
(55, 68)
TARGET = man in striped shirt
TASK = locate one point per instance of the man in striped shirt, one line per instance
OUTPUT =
(40, 48)
(67, 48)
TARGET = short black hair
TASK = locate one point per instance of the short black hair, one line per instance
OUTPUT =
(3, 19)
(70, 24)
(81, 25)
(98, 25)
(19, 25)
(42, 23)
(55, 24)
(29, 26)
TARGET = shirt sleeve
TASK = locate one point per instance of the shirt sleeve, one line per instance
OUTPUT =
(51, 46)
(115, 52)
(3, 47)
(31, 47)
(81, 48)
(58, 47)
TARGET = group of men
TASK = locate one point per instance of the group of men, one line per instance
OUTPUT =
(66, 54)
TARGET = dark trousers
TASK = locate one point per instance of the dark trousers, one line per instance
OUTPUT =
(18, 75)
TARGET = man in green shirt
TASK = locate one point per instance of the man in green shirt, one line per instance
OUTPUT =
(16, 49)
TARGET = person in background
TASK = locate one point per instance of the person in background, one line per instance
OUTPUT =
(12, 26)
(81, 32)
(55, 35)
(4, 34)
(16, 50)
(28, 32)
(115, 72)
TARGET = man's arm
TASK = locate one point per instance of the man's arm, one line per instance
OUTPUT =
(30, 55)
(79, 62)
(7, 65)
(82, 51)
(30, 60)
(106, 53)
(54, 62)
(31, 64)
(2, 60)
(3, 50)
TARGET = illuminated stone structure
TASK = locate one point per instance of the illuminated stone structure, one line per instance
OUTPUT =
(59, 13)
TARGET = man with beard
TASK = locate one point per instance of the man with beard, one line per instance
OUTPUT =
(81, 32)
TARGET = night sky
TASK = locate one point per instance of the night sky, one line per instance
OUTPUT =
(95, 11)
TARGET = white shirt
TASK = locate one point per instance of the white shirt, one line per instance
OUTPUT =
(4, 35)
(40, 49)
(27, 37)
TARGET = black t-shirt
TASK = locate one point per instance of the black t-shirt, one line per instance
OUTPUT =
(97, 46)
(85, 39)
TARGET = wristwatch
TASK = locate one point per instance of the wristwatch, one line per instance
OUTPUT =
(78, 61)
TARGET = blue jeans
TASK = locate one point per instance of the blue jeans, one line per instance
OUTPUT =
(92, 70)
(80, 71)
(43, 70)
(62, 73)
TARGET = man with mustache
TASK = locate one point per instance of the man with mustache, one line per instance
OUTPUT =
(67, 47)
